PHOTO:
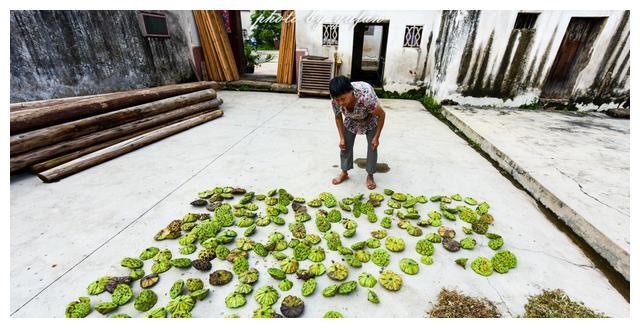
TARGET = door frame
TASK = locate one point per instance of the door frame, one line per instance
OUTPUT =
(375, 78)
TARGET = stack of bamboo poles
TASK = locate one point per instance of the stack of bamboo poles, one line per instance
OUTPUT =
(287, 54)
(218, 56)
(57, 138)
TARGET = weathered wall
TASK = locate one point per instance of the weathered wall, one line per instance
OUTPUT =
(70, 53)
(476, 57)
(490, 63)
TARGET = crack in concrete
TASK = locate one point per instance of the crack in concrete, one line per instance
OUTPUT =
(590, 196)
(145, 212)
(555, 257)
(501, 298)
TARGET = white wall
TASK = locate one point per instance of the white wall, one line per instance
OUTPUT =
(405, 67)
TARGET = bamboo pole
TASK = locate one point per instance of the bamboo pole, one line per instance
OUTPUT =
(226, 45)
(45, 153)
(36, 118)
(46, 136)
(101, 156)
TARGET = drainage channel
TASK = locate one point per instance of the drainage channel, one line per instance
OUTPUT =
(616, 279)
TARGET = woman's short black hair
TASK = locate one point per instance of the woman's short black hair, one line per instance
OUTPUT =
(339, 85)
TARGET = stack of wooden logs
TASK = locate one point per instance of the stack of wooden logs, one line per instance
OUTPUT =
(218, 56)
(60, 137)
(286, 55)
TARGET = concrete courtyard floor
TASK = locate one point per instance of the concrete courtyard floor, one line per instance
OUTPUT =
(67, 234)
(576, 164)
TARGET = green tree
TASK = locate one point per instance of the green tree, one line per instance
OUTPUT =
(267, 29)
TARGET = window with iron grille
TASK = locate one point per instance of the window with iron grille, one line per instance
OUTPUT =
(525, 21)
(412, 36)
(329, 34)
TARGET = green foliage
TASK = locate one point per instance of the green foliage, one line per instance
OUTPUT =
(265, 30)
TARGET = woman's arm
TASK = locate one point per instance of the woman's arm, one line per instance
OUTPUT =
(378, 112)
(340, 126)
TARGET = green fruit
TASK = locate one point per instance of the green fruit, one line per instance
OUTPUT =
(347, 287)
(181, 304)
(373, 297)
(181, 262)
(380, 257)
(338, 272)
(462, 262)
(394, 244)
(390, 280)
(235, 300)
(98, 286)
(131, 263)
(161, 266)
(316, 254)
(240, 265)
(332, 314)
(176, 289)
(220, 277)
(157, 313)
(289, 265)
(409, 266)
(200, 294)
(330, 290)
(367, 280)
(427, 260)
(267, 296)
(106, 307)
(482, 266)
(425, 247)
(249, 277)
(292, 306)
(468, 243)
(503, 261)
(363, 256)
(145, 300)
(496, 243)
(149, 253)
(78, 309)
(194, 284)
(276, 273)
(317, 269)
(470, 201)
(285, 285)
(308, 287)
(122, 294)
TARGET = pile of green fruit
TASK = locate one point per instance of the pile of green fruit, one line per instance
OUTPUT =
(215, 235)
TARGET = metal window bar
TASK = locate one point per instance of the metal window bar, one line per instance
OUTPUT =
(329, 34)
(412, 36)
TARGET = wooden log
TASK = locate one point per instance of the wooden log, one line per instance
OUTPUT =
(43, 166)
(14, 107)
(45, 153)
(28, 141)
(35, 118)
(93, 159)
(217, 45)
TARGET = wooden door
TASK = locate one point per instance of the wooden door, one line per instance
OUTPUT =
(572, 56)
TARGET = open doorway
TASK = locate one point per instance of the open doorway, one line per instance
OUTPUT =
(572, 56)
(261, 36)
(369, 52)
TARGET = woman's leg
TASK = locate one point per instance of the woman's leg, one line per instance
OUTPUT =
(346, 155)
(372, 155)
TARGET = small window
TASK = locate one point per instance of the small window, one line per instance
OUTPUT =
(412, 36)
(525, 21)
(153, 25)
(329, 34)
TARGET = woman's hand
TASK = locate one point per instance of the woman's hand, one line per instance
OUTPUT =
(375, 142)
(342, 145)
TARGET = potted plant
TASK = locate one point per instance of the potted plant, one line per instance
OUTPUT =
(252, 58)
